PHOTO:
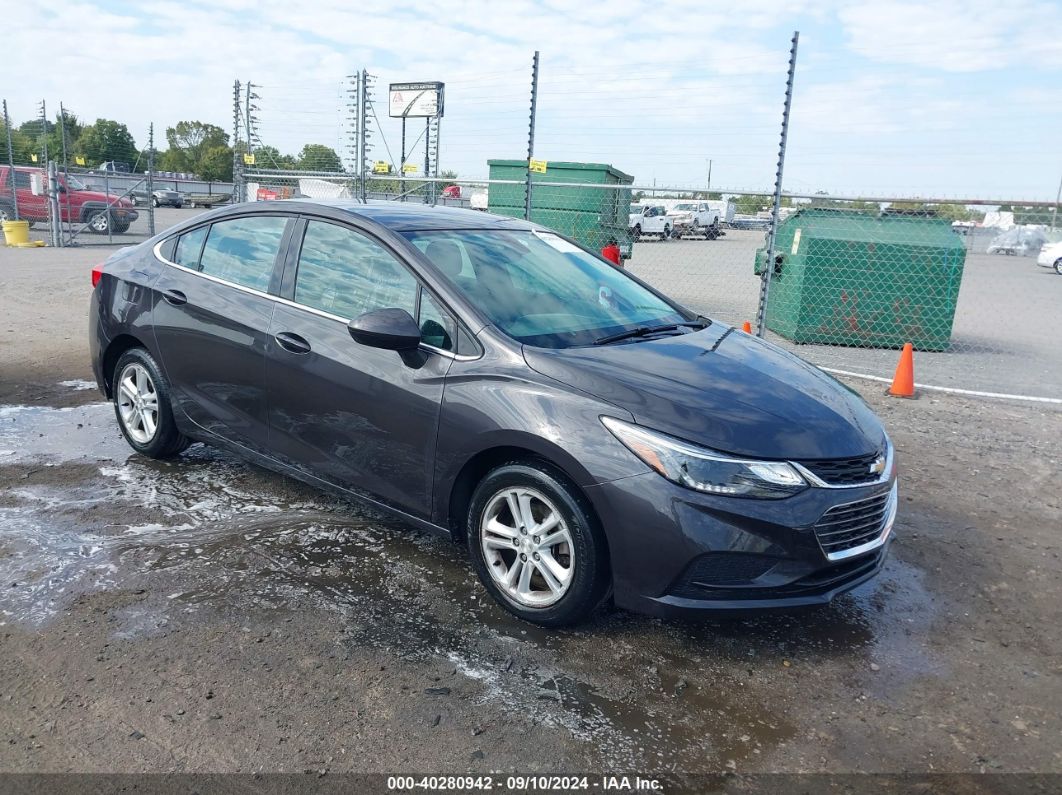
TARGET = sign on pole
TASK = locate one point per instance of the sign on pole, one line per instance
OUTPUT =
(416, 100)
(538, 166)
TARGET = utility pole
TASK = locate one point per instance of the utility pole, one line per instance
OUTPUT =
(709, 176)
(11, 163)
(151, 179)
(237, 163)
(251, 121)
(531, 135)
(768, 267)
(44, 133)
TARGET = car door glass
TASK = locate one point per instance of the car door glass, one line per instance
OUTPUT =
(347, 274)
(437, 328)
(189, 245)
(243, 250)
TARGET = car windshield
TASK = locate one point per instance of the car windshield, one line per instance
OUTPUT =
(685, 207)
(73, 183)
(636, 209)
(540, 289)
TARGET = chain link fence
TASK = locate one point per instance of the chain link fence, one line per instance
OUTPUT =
(851, 280)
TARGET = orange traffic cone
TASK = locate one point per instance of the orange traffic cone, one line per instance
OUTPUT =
(903, 382)
(746, 327)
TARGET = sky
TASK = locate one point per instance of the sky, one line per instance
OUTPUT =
(891, 97)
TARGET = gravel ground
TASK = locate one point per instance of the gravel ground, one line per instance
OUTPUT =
(206, 615)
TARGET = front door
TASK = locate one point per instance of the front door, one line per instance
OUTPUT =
(211, 317)
(362, 418)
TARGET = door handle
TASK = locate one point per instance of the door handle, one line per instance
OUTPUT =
(175, 297)
(292, 343)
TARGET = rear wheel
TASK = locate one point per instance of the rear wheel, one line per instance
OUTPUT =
(142, 406)
(154, 201)
(636, 233)
(1058, 266)
(535, 545)
(666, 234)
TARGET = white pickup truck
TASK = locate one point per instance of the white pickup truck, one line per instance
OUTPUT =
(649, 219)
(695, 218)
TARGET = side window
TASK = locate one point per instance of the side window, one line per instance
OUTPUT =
(22, 179)
(243, 250)
(437, 328)
(345, 273)
(188, 247)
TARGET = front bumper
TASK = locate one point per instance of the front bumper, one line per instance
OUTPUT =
(678, 552)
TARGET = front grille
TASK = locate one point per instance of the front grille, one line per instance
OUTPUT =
(848, 526)
(844, 471)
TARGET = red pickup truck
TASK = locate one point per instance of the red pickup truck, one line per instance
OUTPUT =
(77, 203)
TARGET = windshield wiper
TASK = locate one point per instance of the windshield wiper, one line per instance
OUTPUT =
(643, 331)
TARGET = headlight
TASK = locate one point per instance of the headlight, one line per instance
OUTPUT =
(704, 470)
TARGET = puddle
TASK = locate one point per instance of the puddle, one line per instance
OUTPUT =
(207, 533)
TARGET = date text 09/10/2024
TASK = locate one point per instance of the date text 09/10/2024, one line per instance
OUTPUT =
(524, 783)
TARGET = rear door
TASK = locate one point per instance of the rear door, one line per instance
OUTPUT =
(211, 314)
(362, 418)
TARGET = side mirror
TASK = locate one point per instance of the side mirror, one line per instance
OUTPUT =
(390, 329)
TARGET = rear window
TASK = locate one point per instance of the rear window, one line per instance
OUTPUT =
(243, 250)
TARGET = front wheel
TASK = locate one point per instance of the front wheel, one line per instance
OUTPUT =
(142, 406)
(536, 546)
(1058, 266)
(154, 201)
(666, 235)
(636, 233)
(99, 222)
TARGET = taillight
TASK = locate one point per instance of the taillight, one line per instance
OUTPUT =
(97, 274)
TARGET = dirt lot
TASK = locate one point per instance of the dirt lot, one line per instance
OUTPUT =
(205, 615)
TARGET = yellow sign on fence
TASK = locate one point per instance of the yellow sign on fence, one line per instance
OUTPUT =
(409, 168)
(248, 159)
(79, 160)
(33, 157)
(538, 166)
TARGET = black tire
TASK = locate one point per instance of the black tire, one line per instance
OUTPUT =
(166, 441)
(636, 233)
(590, 578)
(666, 234)
(154, 201)
(121, 227)
(1058, 266)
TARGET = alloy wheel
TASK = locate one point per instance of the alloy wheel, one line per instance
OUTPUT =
(527, 547)
(138, 403)
(1058, 266)
(99, 222)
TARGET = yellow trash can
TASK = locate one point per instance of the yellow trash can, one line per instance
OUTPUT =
(16, 233)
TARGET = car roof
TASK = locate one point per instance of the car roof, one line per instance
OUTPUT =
(403, 216)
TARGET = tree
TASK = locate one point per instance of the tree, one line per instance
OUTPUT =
(22, 145)
(66, 127)
(216, 164)
(752, 203)
(106, 140)
(191, 143)
(270, 157)
(318, 157)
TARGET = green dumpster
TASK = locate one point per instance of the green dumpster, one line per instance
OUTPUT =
(589, 215)
(845, 277)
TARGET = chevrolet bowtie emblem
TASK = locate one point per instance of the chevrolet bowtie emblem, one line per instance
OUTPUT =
(878, 466)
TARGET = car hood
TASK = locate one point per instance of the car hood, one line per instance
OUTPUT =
(723, 389)
(99, 196)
